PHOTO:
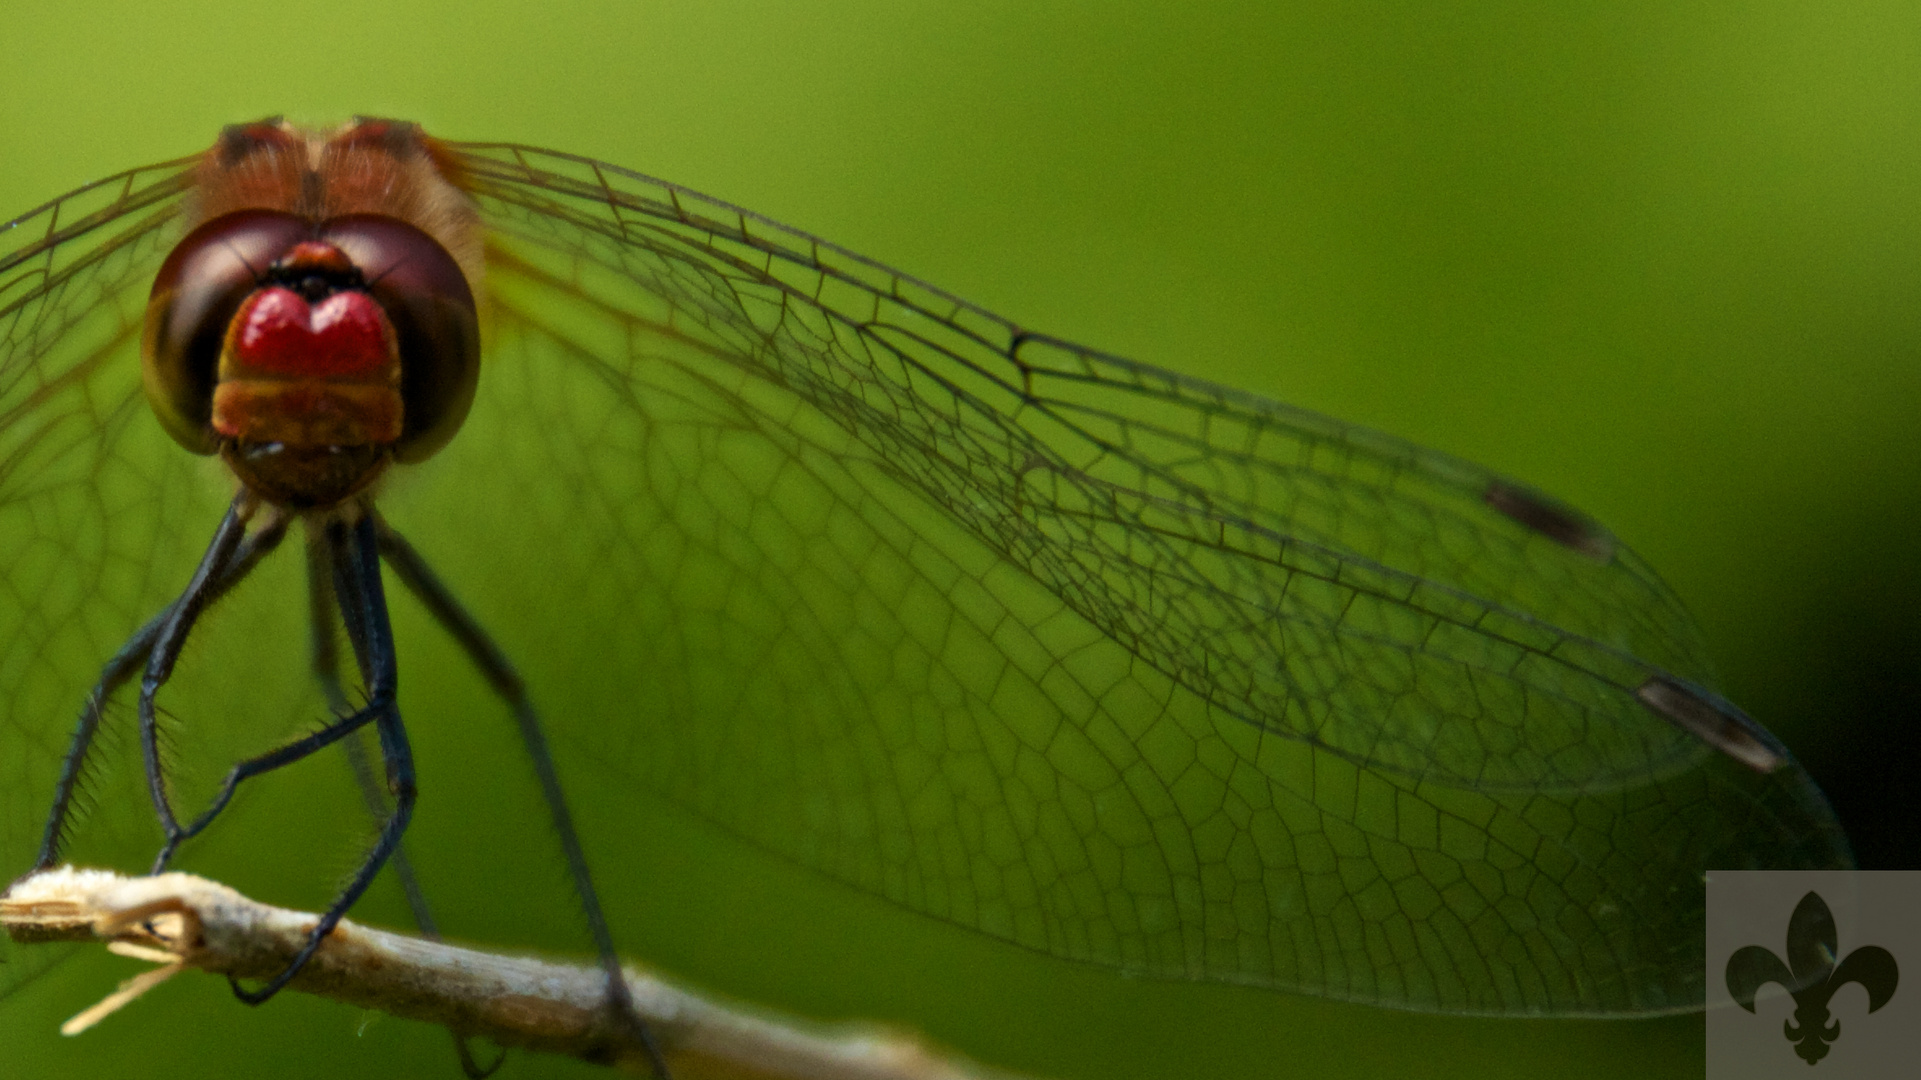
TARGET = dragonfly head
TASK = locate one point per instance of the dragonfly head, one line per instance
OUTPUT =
(310, 355)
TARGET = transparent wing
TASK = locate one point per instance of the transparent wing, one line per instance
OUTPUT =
(87, 534)
(1112, 663)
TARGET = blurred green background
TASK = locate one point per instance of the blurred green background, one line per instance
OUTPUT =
(1661, 262)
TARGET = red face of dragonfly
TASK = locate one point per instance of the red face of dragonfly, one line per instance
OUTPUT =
(315, 324)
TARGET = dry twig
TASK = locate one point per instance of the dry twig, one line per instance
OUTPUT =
(181, 921)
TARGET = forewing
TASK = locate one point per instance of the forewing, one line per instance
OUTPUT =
(1112, 663)
(88, 534)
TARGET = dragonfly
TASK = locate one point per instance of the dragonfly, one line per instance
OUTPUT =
(1108, 662)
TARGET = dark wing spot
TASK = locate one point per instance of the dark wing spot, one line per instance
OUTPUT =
(1714, 721)
(1561, 524)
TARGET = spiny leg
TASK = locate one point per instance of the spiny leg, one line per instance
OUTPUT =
(325, 659)
(499, 672)
(128, 660)
(166, 650)
(363, 608)
(172, 637)
(321, 607)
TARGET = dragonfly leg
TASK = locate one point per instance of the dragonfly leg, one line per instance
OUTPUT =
(379, 708)
(326, 670)
(363, 607)
(499, 672)
(137, 650)
(321, 607)
(175, 625)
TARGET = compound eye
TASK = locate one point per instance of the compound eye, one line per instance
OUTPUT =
(428, 301)
(199, 288)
